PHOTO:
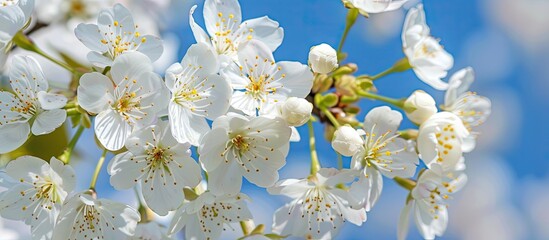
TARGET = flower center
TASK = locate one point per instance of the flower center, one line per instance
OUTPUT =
(240, 143)
(91, 217)
(5, 3)
(445, 140)
(120, 41)
(126, 104)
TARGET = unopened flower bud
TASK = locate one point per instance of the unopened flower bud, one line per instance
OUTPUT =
(296, 111)
(346, 85)
(322, 83)
(347, 141)
(323, 58)
(420, 106)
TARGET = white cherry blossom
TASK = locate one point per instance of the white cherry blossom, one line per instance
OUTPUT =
(161, 164)
(30, 105)
(260, 83)
(207, 216)
(37, 193)
(428, 203)
(114, 34)
(318, 208)
(384, 153)
(470, 107)
(428, 58)
(198, 94)
(130, 100)
(442, 140)
(239, 146)
(226, 31)
(15, 14)
(375, 6)
(84, 217)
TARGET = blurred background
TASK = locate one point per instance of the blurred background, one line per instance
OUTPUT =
(505, 41)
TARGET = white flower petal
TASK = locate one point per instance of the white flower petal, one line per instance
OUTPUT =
(459, 84)
(293, 188)
(211, 147)
(296, 79)
(382, 120)
(199, 34)
(124, 171)
(90, 36)
(27, 78)
(50, 101)
(186, 126)
(111, 130)
(404, 221)
(130, 65)
(263, 29)
(216, 10)
(97, 59)
(151, 46)
(225, 179)
(47, 121)
(13, 136)
(94, 92)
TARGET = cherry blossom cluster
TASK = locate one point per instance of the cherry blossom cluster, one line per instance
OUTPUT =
(186, 139)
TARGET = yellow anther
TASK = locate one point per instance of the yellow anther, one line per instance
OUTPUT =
(116, 23)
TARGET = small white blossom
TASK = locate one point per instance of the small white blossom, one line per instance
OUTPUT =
(296, 111)
(237, 146)
(420, 106)
(130, 100)
(150, 231)
(323, 58)
(260, 83)
(428, 203)
(116, 33)
(37, 193)
(30, 105)
(375, 6)
(207, 216)
(442, 140)
(15, 14)
(55, 11)
(347, 141)
(84, 217)
(429, 60)
(383, 153)
(318, 208)
(161, 164)
(226, 31)
(198, 93)
(470, 107)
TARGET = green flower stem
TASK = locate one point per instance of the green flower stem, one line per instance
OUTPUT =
(98, 169)
(400, 66)
(66, 157)
(339, 161)
(330, 117)
(396, 102)
(350, 21)
(315, 164)
(24, 42)
(405, 183)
